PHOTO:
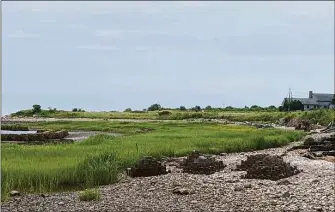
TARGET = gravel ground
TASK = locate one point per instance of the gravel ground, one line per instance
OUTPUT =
(310, 190)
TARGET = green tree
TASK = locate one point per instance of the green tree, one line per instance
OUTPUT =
(74, 109)
(208, 107)
(182, 108)
(36, 109)
(155, 107)
(128, 110)
(197, 108)
(293, 105)
(333, 101)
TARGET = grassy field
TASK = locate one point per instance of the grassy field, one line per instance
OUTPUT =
(99, 159)
(322, 116)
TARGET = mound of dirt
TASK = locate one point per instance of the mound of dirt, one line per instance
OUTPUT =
(148, 166)
(197, 163)
(263, 166)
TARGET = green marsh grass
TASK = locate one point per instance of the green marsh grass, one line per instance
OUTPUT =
(323, 116)
(98, 160)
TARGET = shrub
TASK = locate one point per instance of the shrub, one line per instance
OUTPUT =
(74, 109)
(164, 113)
(196, 108)
(52, 110)
(138, 111)
(182, 108)
(208, 107)
(155, 107)
(36, 109)
(128, 110)
(89, 195)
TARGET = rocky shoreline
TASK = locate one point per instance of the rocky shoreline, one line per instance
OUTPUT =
(310, 190)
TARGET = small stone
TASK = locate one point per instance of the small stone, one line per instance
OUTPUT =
(182, 191)
(238, 188)
(284, 182)
(317, 154)
(14, 193)
(232, 181)
(43, 195)
(286, 194)
(315, 181)
(223, 154)
(319, 209)
(248, 185)
(61, 203)
(194, 201)
(151, 189)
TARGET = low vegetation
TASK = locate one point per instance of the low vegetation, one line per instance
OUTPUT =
(89, 195)
(99, 159)
(14, 127)
(156, 112)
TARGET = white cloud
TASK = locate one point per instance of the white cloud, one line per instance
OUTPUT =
(22, 34)
(98, 47)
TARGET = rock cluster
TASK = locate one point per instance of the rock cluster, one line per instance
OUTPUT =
(148, 166)
(263, 166)
(197, 163)
(300, 124)
(257, 125)
(321, 145)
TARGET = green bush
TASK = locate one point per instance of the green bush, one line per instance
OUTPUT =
(164, 113)
(36, 109)
(155, 107)
(89, 195)
(197, 108)
(182, 108)
(128, 110)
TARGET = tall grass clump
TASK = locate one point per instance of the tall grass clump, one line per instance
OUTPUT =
(89, 195)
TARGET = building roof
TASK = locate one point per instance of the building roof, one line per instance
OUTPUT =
(323, 97)
(306, 101)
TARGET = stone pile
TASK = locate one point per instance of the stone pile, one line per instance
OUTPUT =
(321, 145)
(197, 163)
(300, 124)
(148, 166)
(263, 166)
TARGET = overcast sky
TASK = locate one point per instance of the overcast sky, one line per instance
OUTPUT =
(115, 55)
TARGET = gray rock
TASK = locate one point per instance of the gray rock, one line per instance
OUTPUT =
(284, 182)
(182, 191)
(286, 194)
(14, 193)
(248, 185)
(238, 188)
